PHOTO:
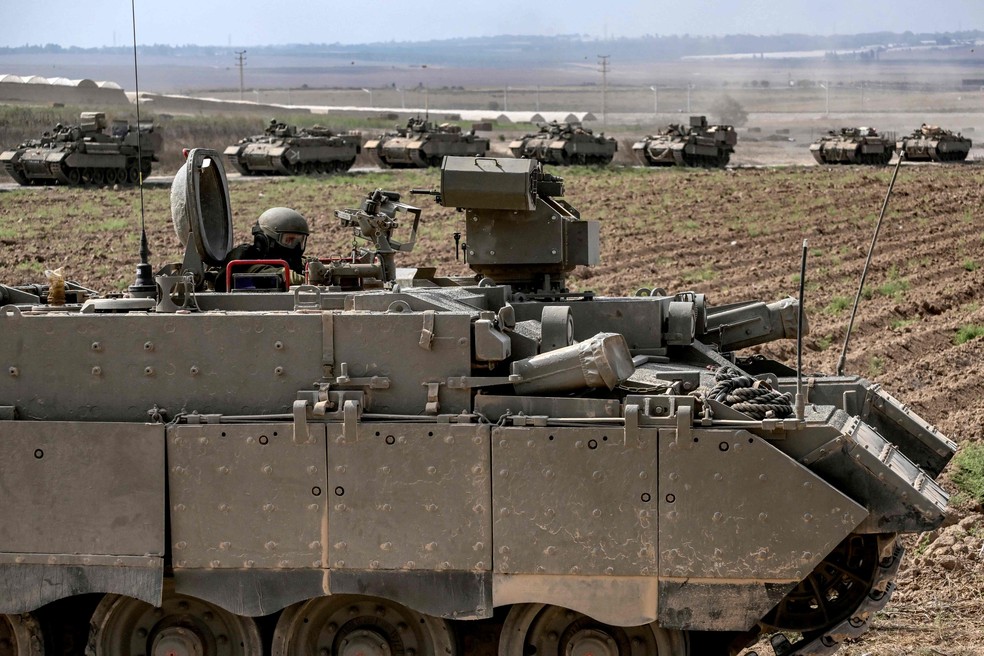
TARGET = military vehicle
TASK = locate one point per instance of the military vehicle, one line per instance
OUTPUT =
(853, 146)
(388, 461)
(422, 144)
(931, 143)
(564, 144)
(285, 150)
(84, 153)
(699, 144)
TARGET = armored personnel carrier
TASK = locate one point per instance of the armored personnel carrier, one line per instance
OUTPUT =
(699, 144)
(421, 144)
(285, 150)
(85, 153)
(931, 143)
(388, 461)
(564, 144)
(853, 146)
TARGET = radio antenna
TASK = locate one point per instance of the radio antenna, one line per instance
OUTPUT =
(144, 285)
(867, 263)
(800, 401)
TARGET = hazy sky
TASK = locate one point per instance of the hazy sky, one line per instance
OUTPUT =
(91, 23)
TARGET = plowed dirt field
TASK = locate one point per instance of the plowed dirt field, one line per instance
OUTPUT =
(732, 235)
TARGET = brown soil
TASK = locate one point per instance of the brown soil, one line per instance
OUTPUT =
(733, 235)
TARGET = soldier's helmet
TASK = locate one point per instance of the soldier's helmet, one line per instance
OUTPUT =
(284, 226)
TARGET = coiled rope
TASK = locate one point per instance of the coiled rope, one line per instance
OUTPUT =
(748, 395)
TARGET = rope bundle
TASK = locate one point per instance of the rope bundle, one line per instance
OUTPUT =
(754, 397)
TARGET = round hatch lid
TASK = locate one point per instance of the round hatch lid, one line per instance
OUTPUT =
(200, 205)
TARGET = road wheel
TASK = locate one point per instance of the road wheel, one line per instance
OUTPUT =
(182, 626)
(542, 629)
(74, 177)
(20, 635)
(354, 625)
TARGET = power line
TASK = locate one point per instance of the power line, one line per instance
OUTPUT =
(603, 62)
(240, 62)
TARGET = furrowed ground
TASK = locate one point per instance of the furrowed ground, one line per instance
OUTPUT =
(732, 235)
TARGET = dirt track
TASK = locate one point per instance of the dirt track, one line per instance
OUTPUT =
(733, 235)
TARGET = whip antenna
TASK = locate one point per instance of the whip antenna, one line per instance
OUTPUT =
(144, 283)
(867, 263)
(800, 401)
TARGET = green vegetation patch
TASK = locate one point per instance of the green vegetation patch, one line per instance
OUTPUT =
(968, 332)
(968, 473)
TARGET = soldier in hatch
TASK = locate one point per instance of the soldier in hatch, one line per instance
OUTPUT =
(279, 234)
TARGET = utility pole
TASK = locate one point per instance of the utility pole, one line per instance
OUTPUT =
(240, 62)
(603, 62)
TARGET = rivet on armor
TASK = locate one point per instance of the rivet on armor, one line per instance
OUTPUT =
(718, 476)
(579, 444)
(96, 346)
(432, 470)
(430, 546)
(807, 485)
(504, 551)
(316, 491)
(341, 507)
(646, 497)
(142, 633)
(385, 469)
(671, 515)
(549, 513)
(763, 516)
(148, 371)
(724, 446)
(266, 469)
(148, 346)
(609, 570)
(503, 512)
(431, 507)
(643, 475)
(674, 476)
(504, 473)
(807, 517)
(270, 546)
(215, 563)
(194, 371)
(223, 469)
(477, 469)
(269, 507)
(548, 473)
(597, 475)
(249, 563)
(314, 546)
(596, 513)
(179, 507)
(180, 544)
(373, 564)
(449, 439)
(225, 546)
(386, 507)
(278, 345)
(763, 477)
(313, 507)
(717, 517)
(575, 570)
(278, 371)
(550, 551)
(314, 470)
(203, 440)
(386, 546)
(478, 509)
(263, 439)
(540, 569)
(96, 371)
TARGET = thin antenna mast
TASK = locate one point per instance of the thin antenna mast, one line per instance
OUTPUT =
(867, 263)
(799, 400)
(144, 285)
